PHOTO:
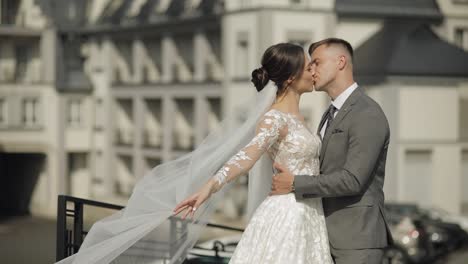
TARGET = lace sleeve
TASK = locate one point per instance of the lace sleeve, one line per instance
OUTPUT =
(269, 129)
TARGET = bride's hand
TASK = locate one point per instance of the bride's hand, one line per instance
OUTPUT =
(192, 203)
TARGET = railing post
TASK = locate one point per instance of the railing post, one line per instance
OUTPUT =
(173, 234)
(60, 252)
(78, 226)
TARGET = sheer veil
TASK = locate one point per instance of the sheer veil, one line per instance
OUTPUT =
(145, 232)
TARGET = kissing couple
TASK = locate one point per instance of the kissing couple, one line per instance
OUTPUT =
(324, 203)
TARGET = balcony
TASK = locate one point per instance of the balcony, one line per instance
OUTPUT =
(20, 61)
(21, 17)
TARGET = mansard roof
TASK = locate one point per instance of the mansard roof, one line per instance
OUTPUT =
(117, 15)
(408, 49)
(427, 9)
(125, 11)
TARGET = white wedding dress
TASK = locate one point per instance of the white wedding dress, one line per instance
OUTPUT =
(282, 230)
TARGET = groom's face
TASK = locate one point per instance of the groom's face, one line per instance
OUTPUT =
(324, 67)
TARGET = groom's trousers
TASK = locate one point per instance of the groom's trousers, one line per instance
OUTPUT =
(357, 256)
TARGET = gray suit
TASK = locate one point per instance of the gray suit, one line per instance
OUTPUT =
(352, 172)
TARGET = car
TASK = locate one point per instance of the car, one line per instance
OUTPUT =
(445, 237)
(444, 216)
(217, 250)
(436, 237)
(411, 241)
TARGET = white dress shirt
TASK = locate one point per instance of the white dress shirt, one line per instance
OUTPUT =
(338, 103)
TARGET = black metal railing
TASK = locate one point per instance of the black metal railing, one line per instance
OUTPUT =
(69, 240)
(71, 232)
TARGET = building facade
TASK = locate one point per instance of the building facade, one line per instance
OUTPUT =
(93, 94)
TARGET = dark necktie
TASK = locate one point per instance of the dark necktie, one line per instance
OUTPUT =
(331, 114)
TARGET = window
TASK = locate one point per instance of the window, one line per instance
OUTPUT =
(72, 10)
(417, 180)
(21, 53)
(30, 111)
(301, 38)
(464, 181)
(74, 112)
(99, 169)
(184, 125)
(2, 111)
(125, 180)
(73, 61)
(98, 114)
(299, 42)
(151, 163)
(294, 2)
(8, 11)
(242, 55)
(463, 113)
(459, 37)
(78, 174)
(77, 162)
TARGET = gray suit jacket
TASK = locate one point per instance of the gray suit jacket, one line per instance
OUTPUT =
(352, 173)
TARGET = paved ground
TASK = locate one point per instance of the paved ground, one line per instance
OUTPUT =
(460, 257)
(27, 240)
(31, 240)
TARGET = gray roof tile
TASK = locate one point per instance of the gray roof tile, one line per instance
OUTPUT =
(389, 8)
(408, 49)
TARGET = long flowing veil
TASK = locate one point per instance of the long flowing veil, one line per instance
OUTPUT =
(144, 231)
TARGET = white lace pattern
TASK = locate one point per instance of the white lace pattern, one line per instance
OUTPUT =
(267, 133)
(282, 230)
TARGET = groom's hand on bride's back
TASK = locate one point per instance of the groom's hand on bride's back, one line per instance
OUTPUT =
(282, 181)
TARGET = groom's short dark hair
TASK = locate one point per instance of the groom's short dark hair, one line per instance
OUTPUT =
(332, 41)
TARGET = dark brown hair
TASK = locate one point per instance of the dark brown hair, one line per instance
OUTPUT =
(279, 63)
(332, 41)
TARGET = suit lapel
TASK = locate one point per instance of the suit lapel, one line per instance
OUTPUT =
(345, 109)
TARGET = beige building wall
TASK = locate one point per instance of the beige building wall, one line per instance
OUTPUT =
(430, 116)
(424, 159)
(429, 113)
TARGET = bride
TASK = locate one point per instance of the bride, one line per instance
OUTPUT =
(282, 230)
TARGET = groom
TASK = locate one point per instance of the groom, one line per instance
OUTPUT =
(355, 137)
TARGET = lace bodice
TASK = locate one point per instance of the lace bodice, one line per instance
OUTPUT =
(282, 229)
(285, 138)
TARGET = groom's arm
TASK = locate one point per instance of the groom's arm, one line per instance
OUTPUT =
(368, 136)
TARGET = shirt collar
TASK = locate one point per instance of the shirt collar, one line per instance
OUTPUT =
(341, 99)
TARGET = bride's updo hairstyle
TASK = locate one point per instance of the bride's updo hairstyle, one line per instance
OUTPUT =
(279, 63)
